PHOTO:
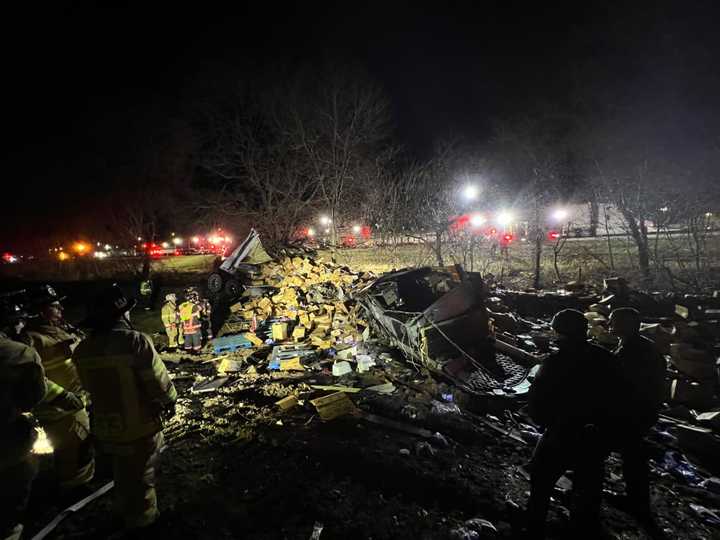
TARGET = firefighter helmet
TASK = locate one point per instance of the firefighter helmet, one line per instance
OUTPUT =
(11, 313)
(570, 323)
(44, 296)
(109, 305)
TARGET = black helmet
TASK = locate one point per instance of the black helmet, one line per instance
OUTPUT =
(109, 305)
(11, 313)
(45, 296)
(570, 323)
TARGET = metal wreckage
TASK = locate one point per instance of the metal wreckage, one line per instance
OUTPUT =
(328, 378)
(437, 317)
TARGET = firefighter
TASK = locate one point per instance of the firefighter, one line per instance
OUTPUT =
(67, 429)
(22, 387)
(131, 394)
(569, 397)
(190, 313)
(146, 293)
(171, 321)
(643, 385)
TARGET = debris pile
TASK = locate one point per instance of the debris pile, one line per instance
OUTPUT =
(300, 307)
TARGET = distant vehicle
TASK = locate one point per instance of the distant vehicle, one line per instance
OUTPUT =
(154, 250)
(189, 251)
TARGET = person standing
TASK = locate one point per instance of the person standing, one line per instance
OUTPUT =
(171, 320)
(643, 385)
(190, 313)
(569, 397)
(131, 393)
(68, 429)
(22, 386)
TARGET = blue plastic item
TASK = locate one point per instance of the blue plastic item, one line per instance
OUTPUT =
(231, 343)
(675, 464)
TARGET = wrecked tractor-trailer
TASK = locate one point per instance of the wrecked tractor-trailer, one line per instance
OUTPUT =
(438, 319)
(239, 268)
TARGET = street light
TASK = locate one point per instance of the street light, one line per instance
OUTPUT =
(195, 239)
(470, 192)
(560, 214)
(476, 220)
(177, 240)
(504, 218)
(324, 220)
(356, 229)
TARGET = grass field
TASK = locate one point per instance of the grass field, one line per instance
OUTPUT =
(588, 259)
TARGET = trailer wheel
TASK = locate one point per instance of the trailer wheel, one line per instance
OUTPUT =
(233, 289)
(215, 283)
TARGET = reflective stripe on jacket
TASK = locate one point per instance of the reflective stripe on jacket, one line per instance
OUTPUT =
(55, 346)
(169, 314)
(127, 381)
(22, 386)
(190, 317)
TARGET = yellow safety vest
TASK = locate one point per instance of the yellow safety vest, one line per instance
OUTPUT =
(128, 384)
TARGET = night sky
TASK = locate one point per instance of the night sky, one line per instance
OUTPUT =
(86, 87)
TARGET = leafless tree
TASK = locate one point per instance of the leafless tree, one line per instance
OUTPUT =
(532, 151)
(281, 156)
(340, 122)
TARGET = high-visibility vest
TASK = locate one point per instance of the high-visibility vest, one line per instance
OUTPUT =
(128, 384)
(190, 317)
(146, 287)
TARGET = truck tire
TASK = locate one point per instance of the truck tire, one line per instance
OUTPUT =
(215, 282)
(233, 289)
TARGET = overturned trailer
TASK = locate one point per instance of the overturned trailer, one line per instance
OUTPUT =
(237, 271)
(438, 319)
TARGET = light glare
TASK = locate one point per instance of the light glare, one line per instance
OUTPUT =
(504, 218)
(476, 220)
(471, 192)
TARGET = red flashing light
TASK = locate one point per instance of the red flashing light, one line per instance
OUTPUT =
(507, 238)
(553, 235)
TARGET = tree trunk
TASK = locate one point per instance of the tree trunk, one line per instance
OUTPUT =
(594, 216)
(638, 232)
(538, 254)
(609, 241)
(438, 248)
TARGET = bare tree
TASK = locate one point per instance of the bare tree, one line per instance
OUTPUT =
(532, 151)
(340, 122)
(281, 153)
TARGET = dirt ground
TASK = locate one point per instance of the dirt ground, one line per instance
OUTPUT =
(235, 466)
